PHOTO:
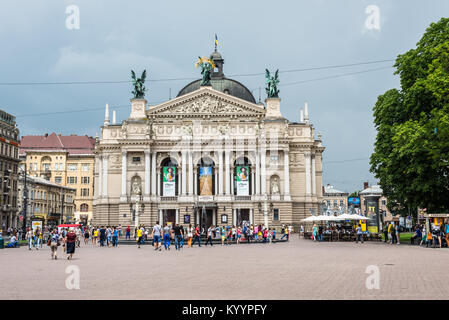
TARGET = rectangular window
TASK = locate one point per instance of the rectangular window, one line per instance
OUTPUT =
(85, 167)
(72, 167)
(58, 180)
(275, 214)
(136, 159)
(85, 180)
(384, 202)
(341, 203)
(84, 192)
(335, 203)
(71, 180)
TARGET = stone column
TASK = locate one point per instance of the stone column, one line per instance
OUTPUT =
(313, 176)
(216, 180)
(227, 176)
(153, 174)
(100, 176)
(286, 174)
(232, 180)
(161, 218)
(257, 173)
(234, 216)
(147, 174)
(177, 216)
(195, 182)
(183, 172)
(263, 172)
(308, 184)
(251, 216)
(191, 173)
(105, 175)
(220, 172)
(159, 191)
(214, 217)
(123, 195)
(253, 189)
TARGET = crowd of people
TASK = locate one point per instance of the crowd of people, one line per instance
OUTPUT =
(161, 236)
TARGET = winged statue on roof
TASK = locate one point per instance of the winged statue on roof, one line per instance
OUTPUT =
(139, 85)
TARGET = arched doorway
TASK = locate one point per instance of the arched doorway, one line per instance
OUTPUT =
(206, 177)
(169, 177)
(243, 184)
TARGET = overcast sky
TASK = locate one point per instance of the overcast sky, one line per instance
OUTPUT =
(166, 37)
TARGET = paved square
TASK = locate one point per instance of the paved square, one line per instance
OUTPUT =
(299, 269)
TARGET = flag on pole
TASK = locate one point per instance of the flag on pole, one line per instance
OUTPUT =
(216, 42)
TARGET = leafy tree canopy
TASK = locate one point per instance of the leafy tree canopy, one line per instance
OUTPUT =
(411, 151)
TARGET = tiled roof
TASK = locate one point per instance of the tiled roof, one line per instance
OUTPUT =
(331, 190)
(73, 145)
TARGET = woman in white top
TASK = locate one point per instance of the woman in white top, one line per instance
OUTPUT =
(189, 235)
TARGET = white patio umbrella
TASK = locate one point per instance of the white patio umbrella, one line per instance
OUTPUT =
(346, 216)
(360, 217)
(311, 219)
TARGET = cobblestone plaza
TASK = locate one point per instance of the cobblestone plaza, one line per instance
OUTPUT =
(298, 269)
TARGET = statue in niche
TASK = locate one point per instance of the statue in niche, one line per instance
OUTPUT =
(275, 185)
(124, 129)
(136, 188)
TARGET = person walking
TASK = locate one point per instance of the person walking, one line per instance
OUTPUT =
(301, 233)
(359, 234)
(29, 238)
(108, 236)
(189, 235)
(285, 235)
(398, 238)
(86, 236)
(156, 234)
(115, 235)
(128, 233)
(209, 236)
(178, 236)
(70, 240)
(40, 237)
(139, 235)
(314, 232)
(102, 236)
(54, 243)
(197, 236)
(167, 236)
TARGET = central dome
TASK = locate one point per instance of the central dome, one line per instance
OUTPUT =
(220, 83)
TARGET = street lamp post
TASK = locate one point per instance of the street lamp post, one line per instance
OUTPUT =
(25, 203)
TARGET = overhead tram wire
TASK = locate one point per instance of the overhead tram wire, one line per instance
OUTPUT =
(188, 78)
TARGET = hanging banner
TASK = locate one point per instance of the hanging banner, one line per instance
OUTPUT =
(169, 181)
(206, 181)
(242, 179)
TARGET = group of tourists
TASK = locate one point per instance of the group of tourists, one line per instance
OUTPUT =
(176, 233)
(436, 236)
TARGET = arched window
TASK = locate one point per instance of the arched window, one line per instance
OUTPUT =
(84, 207)
(243, 185)
(169, 177)
(206, 177)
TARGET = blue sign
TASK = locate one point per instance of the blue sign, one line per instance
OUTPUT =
(353, 200)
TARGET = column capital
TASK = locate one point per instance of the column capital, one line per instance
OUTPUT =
(147, 151)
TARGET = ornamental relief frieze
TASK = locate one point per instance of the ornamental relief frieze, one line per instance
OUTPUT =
(206, 105)
(296, 160)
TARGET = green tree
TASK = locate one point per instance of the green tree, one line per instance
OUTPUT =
(411, 151)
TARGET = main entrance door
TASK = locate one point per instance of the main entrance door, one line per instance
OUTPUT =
(206, 217)
(242, 215)
(169, 216)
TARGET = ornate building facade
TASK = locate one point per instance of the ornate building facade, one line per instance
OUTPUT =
(9, 160)
(211, 156)
(67, 161)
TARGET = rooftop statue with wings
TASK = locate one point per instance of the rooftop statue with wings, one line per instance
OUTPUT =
(139, 85)
(272, 82)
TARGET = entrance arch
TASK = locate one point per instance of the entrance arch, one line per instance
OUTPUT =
(242, 184)
(206, 177)
(169, 177)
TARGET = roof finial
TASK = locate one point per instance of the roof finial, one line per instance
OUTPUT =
(216, 42)
(106, 115)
